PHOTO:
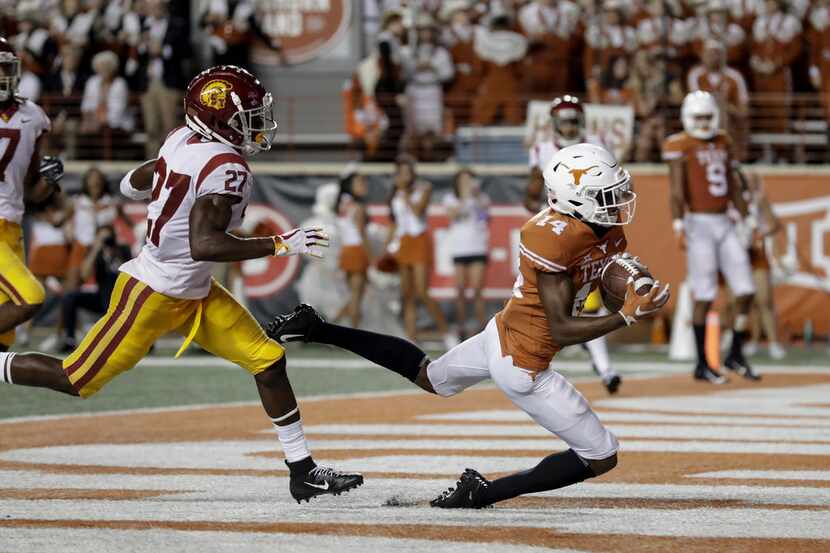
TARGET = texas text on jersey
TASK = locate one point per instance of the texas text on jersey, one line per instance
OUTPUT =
(188, 168)
(551, 242)
(706, 167)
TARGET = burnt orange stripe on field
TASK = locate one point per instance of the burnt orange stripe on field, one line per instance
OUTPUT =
(116, 340)
(11, 290)
(114, 314)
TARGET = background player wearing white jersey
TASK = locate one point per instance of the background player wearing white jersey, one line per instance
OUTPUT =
(23, 126)
(200, 189)
(568, 123)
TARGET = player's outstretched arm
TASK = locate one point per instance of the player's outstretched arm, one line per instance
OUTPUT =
(209, 236)
(535, 183)
(556, 290)
(210, 240)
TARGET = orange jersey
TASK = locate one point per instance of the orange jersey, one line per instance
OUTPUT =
(706, 169)
(551, 243)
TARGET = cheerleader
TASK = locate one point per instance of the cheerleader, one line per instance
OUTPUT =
(354, 255)
(94, 207)
(408, 204)
(469, 239)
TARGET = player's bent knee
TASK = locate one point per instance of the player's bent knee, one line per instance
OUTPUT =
(601, 466)
(273, 375)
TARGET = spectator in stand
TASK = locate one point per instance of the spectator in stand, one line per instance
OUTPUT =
(469, 240)
(101, 261)
(92, 208)
(428, 66)
(76, 22)
(390, 86)
(647, 87)
(776, 42)
(613, 84)
(501, 52)
(355, 252)
(410, 232)
(729, 89)
(233, 27)
(550, 27)
(36, 48)
(65, 84)
(819, 39)
(164, 51)
(716, 25)
(607, 39)
(459, 35)
(104, 110)
(662, 27)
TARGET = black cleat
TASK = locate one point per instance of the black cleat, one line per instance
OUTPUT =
(707, 373)
(613, 384)
(740, 366)
(468, 493)
(321, 481)
(296, 326)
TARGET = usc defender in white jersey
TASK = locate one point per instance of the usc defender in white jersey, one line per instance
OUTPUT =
(22, 126)
(198, 189)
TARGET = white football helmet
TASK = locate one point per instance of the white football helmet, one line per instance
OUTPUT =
(700, 115)
(587, 182)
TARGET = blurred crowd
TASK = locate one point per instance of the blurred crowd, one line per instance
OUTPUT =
(435, 66)
(103, 69)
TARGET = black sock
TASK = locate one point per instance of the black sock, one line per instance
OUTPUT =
(554, 471)
(393, 353)
(736, 350)
(700, 343)
(301, 467)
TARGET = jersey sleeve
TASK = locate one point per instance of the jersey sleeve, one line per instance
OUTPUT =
(543, 248)
(225, 173)
(673, 148)
(41, 121)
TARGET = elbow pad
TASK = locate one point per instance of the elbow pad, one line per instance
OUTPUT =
(133, 193)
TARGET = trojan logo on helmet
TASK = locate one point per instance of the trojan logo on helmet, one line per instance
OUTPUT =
(215, 94)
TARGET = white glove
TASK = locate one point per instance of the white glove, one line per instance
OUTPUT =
(302, 241)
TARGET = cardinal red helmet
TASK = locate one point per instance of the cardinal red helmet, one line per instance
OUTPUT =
(227, 104)
(9, 70)
(568, 109)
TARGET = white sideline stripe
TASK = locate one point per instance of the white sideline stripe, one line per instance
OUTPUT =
(517, 415)
(699, 522)
(248, 455)
(813, 475)
(157, 540)
(690, 432)
(268, 488)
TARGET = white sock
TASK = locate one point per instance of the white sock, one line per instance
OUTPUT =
(598, 348)
(6, 367)
(293, 441)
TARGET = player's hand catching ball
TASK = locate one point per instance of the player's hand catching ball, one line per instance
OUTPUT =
(638, 307)
(302, 241)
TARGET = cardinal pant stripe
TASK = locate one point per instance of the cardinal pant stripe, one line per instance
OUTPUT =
(124, 327)
(102, 331)
(11, 291)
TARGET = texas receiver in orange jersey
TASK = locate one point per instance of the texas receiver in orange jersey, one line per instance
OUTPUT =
(552, 243)
(562, 253)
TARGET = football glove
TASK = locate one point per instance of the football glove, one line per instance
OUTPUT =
(302, 241)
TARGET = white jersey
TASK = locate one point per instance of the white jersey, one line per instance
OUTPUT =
(20, 127)
(349, 233)
(542, 152)
(89, 216)
(188, 168)
(469, 232)
(407, 222)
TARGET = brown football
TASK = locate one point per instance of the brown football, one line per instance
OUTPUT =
(614, 281)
